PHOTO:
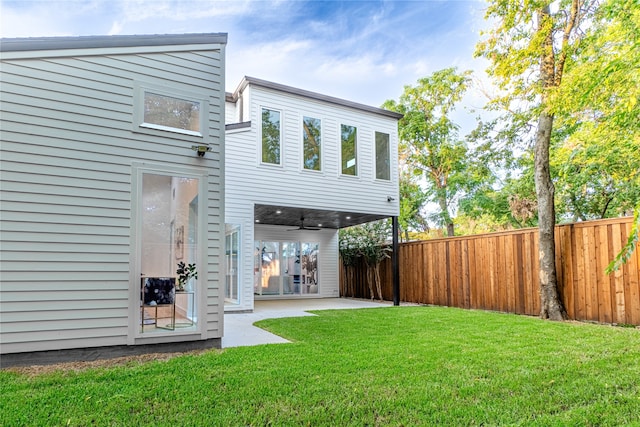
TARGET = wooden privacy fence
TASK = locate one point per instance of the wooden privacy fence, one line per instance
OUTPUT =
(499, 271)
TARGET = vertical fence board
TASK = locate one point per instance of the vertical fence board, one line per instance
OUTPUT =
(558, 239)
(581, 287)
(518, 273)
(525, 290)
(422, 251)
(427, 297)
(473, 277)
(445, 286)
(481, 272)
(436, 274)
(535, 278)
(604, 289)
(620, 315)
(509, 273)
(452, 272)
(592, 282)
(465, 273)
(633, 270)
(494, 303)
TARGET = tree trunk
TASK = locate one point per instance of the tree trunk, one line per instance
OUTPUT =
(376, 272)
(370, 280)
(550, 304)
(445, 216)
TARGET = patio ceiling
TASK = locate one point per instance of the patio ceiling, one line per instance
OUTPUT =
(290, 216)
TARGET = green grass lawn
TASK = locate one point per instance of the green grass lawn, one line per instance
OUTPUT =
(400, 366)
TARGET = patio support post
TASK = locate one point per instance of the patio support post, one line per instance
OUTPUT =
(394, 262)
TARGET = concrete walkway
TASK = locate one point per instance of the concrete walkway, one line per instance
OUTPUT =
(239, 330)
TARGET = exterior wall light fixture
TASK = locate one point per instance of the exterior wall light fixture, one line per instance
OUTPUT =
(201, 150)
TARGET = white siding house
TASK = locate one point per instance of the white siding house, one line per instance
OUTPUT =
(101, 185)
(295, 158)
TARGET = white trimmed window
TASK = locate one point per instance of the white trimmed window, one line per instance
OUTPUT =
(349, 150)
(383, 158)
(271, 139)
(311, 143)
(172, 111)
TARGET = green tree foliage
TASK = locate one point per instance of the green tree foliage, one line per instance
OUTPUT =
(412, 200)
(598, 162)
(429, 139)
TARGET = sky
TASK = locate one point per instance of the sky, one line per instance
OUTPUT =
(362, 51)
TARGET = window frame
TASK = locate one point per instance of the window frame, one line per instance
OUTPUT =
(139, 125)
(341, 170)
(280, 144)
(234, 227)
(302, 140)
(375, 155)
(135, 336)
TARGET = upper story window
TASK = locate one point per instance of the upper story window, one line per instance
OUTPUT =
(349, 150)
(383, 163)
(170, 110)
(271, 142)
(311, 140)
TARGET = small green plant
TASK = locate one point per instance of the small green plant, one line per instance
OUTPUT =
(185, 272)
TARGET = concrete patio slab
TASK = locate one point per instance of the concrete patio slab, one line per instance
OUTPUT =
(239, 329)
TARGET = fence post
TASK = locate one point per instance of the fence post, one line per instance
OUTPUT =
(394, 262)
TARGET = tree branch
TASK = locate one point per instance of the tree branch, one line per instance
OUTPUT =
(571, 24)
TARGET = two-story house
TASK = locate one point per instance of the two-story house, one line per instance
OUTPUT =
(117, 168)
(300, 166)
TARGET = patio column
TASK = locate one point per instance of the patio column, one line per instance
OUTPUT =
(394, 262)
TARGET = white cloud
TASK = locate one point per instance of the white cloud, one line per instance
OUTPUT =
(116, 28)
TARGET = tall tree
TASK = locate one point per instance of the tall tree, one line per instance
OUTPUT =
(429, 138)
(529, 49)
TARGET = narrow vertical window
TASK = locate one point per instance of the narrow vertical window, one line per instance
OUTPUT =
(383, 165)
(349, 150)
(169, 237)
(232, 251)
(270, 136)
(311, 143)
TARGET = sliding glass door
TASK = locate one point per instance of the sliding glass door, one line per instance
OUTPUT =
(285, 268)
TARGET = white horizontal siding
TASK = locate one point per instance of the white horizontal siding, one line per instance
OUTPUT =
(249, 182)
(289, 184)
(231, 113)
(68, 145)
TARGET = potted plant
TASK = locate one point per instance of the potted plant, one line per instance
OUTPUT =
(185, 272)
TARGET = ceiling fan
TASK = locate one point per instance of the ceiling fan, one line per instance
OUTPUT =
(302, 227)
